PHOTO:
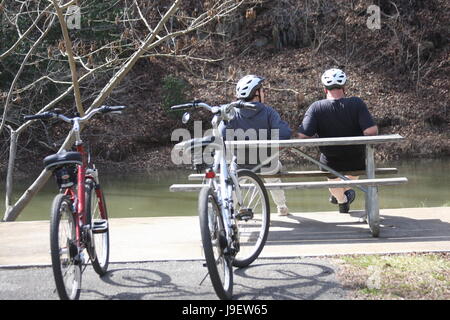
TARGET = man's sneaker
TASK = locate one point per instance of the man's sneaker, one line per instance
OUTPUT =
(283, 211)
(350, 194)
(344, 207)
(333, 200)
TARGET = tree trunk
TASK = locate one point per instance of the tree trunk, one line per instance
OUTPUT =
(9, 175)
(12, 212)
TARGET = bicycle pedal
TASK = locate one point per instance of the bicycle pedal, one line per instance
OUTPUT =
(244, 214)
(100, 226)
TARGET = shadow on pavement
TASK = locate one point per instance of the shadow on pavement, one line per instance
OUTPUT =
(392, 229)
(278, 280)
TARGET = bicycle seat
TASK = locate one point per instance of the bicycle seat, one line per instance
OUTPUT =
(57, 159)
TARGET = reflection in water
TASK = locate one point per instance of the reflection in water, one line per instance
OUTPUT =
(143, 194)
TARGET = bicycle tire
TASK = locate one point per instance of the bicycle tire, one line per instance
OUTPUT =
(98, 248)
(256, 229)
(214, 242)
(63, 249)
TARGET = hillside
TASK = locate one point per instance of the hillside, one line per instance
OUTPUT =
(400, 70)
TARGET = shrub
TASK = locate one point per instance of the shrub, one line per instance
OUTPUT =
(174, 92)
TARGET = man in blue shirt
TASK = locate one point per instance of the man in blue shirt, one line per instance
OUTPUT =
(338, 116)
(264, 123)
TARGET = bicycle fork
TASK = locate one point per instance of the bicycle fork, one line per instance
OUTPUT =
(232, 247)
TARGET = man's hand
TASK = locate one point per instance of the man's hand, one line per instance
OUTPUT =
(371, 131)
(302, 136)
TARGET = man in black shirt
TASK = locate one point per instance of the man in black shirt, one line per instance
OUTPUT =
(338, 116)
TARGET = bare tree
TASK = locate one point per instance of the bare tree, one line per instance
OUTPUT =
(88, 61)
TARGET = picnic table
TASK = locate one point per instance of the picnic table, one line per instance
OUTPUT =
(369, 185)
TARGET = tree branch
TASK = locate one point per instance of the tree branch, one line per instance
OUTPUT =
(13, 84)
(73, 67)
(23, 36)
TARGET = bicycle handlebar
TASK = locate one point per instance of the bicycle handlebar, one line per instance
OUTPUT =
(186, 106)
(106, 109)
(49, 115)
(43, 115)
(197, 103)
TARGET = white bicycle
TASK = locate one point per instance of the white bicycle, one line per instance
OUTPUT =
(233, 206)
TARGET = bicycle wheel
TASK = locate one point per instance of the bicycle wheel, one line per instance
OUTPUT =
(252, 218)
(97, 217)
(63, 249)
(214, 244)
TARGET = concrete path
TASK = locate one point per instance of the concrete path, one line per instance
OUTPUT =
(297, 235)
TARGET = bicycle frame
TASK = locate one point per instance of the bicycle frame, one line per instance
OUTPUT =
(227, 179)
(78, 196)
(225, 187)
(83, 173)
(73, 176)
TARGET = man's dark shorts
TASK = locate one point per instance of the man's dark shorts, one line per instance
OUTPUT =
(354, 160)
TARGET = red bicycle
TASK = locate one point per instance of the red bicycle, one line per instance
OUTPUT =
(79, 218)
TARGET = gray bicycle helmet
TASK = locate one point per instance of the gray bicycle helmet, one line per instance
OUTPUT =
(247, 86)
(334, 78)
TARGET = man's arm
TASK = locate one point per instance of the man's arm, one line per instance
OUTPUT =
(371, 131)
(275, 122)
(302, 136)
(308, 127)
(366, 120)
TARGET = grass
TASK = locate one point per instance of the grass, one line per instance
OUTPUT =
(417, 276)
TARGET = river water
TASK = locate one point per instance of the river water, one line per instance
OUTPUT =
(145, 195)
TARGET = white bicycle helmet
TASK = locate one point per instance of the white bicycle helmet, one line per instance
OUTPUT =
(334, 78)
(247, 86)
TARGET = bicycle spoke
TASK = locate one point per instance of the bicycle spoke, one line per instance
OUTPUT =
(256, 197)
(248, 192)
(252, 231)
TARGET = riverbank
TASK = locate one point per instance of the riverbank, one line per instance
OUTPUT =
(156, 159)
